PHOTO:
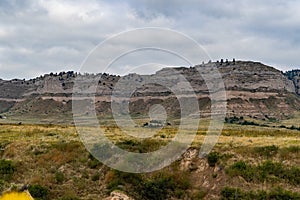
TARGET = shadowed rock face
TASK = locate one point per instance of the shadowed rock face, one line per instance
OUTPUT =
(294, 75)
(252, 89)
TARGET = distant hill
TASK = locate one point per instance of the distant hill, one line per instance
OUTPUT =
(253, 90)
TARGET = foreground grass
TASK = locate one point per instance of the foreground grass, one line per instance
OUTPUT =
(56, 165)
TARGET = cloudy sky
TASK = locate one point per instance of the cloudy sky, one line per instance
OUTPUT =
(39, 36)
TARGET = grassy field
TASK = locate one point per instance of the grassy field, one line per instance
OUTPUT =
(247, 162)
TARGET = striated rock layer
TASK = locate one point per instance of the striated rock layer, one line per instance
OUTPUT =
(252, 89)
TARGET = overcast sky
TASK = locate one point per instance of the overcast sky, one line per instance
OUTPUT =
(38, 36)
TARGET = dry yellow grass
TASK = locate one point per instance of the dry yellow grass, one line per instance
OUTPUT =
(40, 151)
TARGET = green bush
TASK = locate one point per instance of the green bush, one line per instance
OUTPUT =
(123, 178)
(293, 175)
(228, 193)
(242, 169)
(232, 120)
(279, 193)
(212, 158)
(38, 192)
(59, 177)
(93, 162)
(199, 195)
(2, 185)
(67, 146)
(163, 185)
(231, 193)
(141, 146)
(249, 123)
(7, 169)
(240, 120)
(267, 151)
(264, 171)
(269, 168)
(155, 186)
(291, 149)
(96, 177)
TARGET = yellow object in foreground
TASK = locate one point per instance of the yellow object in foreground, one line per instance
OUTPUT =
(16, 196)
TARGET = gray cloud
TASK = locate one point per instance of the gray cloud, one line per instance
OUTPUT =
(39, 36)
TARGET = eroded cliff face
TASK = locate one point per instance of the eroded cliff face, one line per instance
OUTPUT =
(294, 75)
(252, 89)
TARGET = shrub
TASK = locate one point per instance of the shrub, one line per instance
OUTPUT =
(249, 123)
(231, 193)
(95, 177)
(159, 185)
(38, 192)
(93, 162)
(240, 165)
(270, 168)
(2, 186)
(232, 120)
(265, 170)
(267, 151)
(67, 146)
(163, 185)
(242, 169)
(293, 149)
(279, 193)
(293, 127)
(212, 158)
(117, 178)
(6, 169)
(141, 146)
(239, 120)
(59, 177)
(157, 188)
(228, 193)
(293, 175)
(199, 195)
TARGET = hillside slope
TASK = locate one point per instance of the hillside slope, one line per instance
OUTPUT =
(253, 90)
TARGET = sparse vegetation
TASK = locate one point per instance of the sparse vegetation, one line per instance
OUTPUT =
(266, 151)
(212, 158)
(73, 172)
(39, 192)
(93, 163)
(276, 193)
(143, 146)
(265, 171)
(158, 186)
(240, 120)
(59, 177)
(95, 177)
(7, 169)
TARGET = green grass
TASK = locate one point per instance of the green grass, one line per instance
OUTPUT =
(229, 193)
(39, 192)
(266, 151)
(156, 186)
(268, 170)
(7, 169)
